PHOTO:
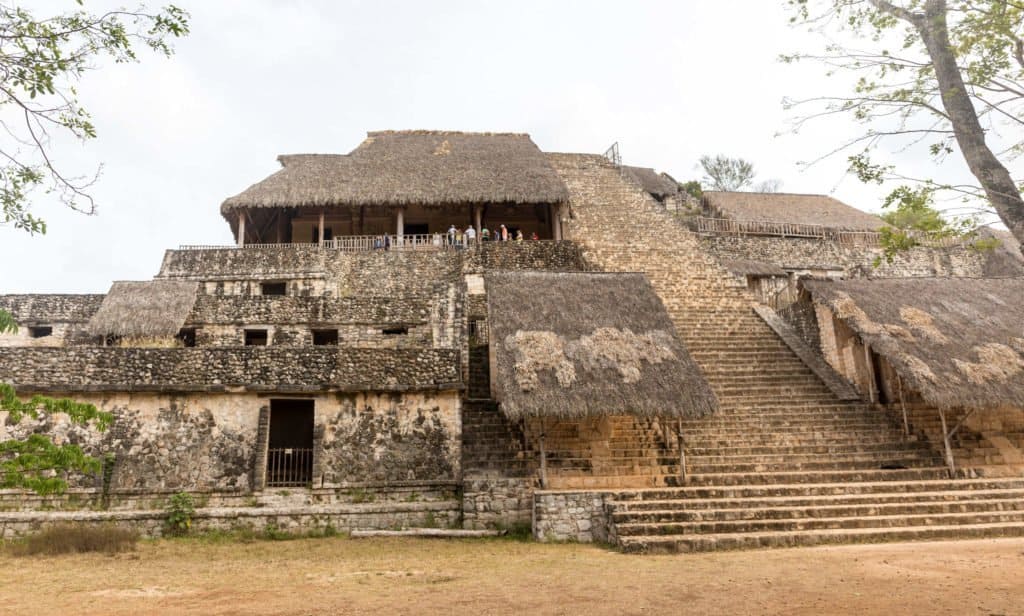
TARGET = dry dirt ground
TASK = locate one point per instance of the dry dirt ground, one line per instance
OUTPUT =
(422, 576)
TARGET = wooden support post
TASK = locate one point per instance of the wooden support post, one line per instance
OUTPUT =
(948, 447)
(870, 370)
(543, 459)
(903, 406)
(241, 227)
(400, 226)
(556, 221)
(478, 219)
(682, 452)
(320, 240)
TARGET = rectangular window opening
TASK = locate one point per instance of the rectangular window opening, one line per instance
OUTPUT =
(40, 331)
(395, 331)
(274, 288)
(324, 337)
(256, 337)
(187, 336)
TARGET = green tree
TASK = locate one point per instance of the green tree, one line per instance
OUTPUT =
(40, 60)
(945, 76)
(725, 173)
(731, 174)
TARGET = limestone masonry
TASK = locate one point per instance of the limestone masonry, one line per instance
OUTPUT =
(445, 329)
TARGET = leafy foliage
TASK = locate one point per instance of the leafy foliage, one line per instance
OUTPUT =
(7, 323)
(180, 510)
(693, 188)
(37, 463)
(904, 51)
(40, 59)
(731, 174)
(725, 173)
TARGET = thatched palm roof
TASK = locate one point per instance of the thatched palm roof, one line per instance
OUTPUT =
(144, 309)
(650, 180)
(574, 345)
(957, 341)
(397, 168)
(791, 208)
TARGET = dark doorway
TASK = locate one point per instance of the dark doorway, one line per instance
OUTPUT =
(416, 228)
(290, 448)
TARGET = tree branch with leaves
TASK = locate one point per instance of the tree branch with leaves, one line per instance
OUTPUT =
(41, 60)
(946, 76)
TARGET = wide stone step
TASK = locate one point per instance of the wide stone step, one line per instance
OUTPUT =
(801, 490)
(737, 541)
(821, 449)
(826, 464)
(825, 523)
(800, 459)
(634, 522)
(743, 503)
(822, 476)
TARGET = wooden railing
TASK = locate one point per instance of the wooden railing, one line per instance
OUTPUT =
(363, 243)
(728, 226)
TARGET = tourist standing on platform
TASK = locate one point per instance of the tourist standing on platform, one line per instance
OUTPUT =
(503, 233)
(470, 235)
(451, 235)
(485, 235)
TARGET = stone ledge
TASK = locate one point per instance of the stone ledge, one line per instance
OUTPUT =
(236, 369)
(347, 517)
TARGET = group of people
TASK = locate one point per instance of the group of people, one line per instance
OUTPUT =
(460, 238)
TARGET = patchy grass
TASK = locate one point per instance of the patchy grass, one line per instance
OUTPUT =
(76, 539)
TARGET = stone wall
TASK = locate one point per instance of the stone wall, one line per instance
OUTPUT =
(296, 287)
(63, 334)
(855, 261)
(560, 256)
(388, 437)
(204, 442)
(289, 261)
(497, 502)
(404, 309)
(572, 516)
(51, 308)
(270, 369)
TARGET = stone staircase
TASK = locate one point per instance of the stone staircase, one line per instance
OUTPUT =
(492, 446)
(784, 461)
(745, 517)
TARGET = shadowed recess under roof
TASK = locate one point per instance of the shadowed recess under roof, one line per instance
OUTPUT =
(144, 309)
(398, 168)
(575, 345)
(957, 341)
(791, 208)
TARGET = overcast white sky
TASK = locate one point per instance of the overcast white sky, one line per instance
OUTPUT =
(669, 81)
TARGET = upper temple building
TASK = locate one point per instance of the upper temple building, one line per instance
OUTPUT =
(406, 183)
(459, 330)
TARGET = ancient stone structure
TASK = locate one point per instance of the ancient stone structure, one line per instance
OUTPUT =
(628, 366)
